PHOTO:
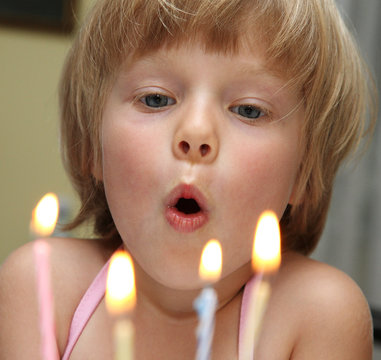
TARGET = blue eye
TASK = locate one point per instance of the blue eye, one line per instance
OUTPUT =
(157, 100)
(248, 111)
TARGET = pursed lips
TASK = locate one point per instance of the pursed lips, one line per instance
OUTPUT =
(186, 208)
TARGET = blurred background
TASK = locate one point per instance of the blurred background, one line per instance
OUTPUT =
(32, 56)
(31, 60)
(352, 236)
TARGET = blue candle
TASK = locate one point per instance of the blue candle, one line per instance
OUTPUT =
(206, 303)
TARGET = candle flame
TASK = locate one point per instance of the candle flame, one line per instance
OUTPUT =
(211, 261)
(120, 289)
(266, 250)
(45, 215)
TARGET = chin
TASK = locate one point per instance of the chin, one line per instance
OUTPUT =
(179, 278)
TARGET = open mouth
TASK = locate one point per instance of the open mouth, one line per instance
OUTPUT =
(187, 206)
(186, 209)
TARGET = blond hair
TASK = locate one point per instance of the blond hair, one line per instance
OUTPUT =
(307, 39)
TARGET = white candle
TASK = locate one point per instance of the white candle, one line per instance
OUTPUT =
(206, 303)
(120, 301)
(265, 261)
(123, 333)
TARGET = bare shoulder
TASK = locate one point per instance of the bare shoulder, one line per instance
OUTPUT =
(16, 280)
(332, 317)
(74, 263)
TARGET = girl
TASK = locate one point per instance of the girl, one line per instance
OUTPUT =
(183, 121)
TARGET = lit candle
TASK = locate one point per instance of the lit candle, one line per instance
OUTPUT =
(206, 302)
(120, 301)
(44, 219)
(45, 216)
(266, 260)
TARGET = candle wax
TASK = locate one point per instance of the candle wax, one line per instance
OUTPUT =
(205, 305)
(123, 340)
(46, 311)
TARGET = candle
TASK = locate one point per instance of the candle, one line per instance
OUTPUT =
(120, 300)
(206, 303)
(44, 216)
(44, 219)
(266, 260)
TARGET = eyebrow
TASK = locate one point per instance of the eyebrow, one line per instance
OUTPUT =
(245, 69)
(276, 77)
(254, 70)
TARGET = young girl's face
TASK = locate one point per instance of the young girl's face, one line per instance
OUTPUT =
(195, 146)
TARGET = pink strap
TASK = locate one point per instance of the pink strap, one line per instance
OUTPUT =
(95, 294)
(86, 308)
(246, 299)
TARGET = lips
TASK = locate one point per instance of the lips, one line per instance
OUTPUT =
(186, 209)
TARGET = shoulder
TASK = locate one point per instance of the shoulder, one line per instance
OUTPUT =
(73, 265)
(18, 306)
(332, 316)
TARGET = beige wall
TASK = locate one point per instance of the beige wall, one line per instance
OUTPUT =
(30, 166)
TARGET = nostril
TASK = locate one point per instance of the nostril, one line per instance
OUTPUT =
(184, 146)
(204, 149)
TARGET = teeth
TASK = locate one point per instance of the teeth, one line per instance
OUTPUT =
(187, 206)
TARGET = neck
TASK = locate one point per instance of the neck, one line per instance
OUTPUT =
(166, 322)
(177, 304)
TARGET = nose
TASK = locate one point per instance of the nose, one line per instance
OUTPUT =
(196, 141)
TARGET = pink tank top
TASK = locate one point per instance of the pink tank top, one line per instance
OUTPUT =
(95, 294)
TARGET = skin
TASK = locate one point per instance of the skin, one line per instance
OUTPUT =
(250, 165)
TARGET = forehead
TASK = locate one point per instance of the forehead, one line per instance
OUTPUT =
(248, 60)
(244, 59)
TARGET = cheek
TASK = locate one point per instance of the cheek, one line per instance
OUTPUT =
(260, 177)
(265, 174)
(128, 158)
(130, 173)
